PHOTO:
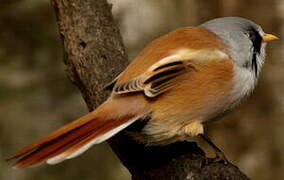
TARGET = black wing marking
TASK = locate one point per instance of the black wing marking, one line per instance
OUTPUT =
(156, 80)
(162, 75)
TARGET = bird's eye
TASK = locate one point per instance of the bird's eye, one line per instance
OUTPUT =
(249, 34)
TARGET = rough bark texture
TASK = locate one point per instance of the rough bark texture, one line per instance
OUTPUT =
(94, 54)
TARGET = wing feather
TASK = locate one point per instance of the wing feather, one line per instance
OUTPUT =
(154, 81)
(162, 75)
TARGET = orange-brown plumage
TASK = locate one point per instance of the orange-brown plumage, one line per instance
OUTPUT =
(74, 135)
(181, 80)
(194, 94)
(188, 37)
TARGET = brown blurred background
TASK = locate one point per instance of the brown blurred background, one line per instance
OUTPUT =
(36, 97)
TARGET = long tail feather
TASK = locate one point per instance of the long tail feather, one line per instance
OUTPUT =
(76, 137)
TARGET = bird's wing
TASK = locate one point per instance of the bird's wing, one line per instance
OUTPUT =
(162, 75)
(110, 85)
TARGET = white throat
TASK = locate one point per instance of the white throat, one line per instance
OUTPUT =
(244, 83)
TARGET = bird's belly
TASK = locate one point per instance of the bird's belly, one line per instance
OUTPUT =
(199, 97)
(176, 119)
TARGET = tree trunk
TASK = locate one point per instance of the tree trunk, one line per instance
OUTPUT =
(94, 54)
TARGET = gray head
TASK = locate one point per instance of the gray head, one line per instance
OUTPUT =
(246, 40)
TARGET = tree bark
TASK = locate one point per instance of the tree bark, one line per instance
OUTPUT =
(94, 54)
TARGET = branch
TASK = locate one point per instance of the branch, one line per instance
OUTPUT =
(94, 54)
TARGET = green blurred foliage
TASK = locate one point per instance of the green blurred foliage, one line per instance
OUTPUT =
(36, 97)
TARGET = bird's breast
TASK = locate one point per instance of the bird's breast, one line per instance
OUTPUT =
(244, 82)
(199, 96)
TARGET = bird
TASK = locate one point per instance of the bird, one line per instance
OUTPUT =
(177, 84)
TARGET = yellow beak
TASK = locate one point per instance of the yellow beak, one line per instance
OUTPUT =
(269, 37)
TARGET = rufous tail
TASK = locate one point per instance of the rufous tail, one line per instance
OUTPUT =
(76, 137)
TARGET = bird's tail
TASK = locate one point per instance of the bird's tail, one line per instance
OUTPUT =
(76, 137)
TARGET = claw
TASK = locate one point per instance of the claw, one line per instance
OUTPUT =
(220, 156)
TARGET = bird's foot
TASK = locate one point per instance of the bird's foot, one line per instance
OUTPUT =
(220, 157)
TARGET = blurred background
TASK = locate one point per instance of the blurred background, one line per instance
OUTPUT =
(36, 97)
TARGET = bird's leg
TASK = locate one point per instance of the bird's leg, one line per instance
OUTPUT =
(219, 154)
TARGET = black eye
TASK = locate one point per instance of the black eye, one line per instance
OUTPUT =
(251, 35)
